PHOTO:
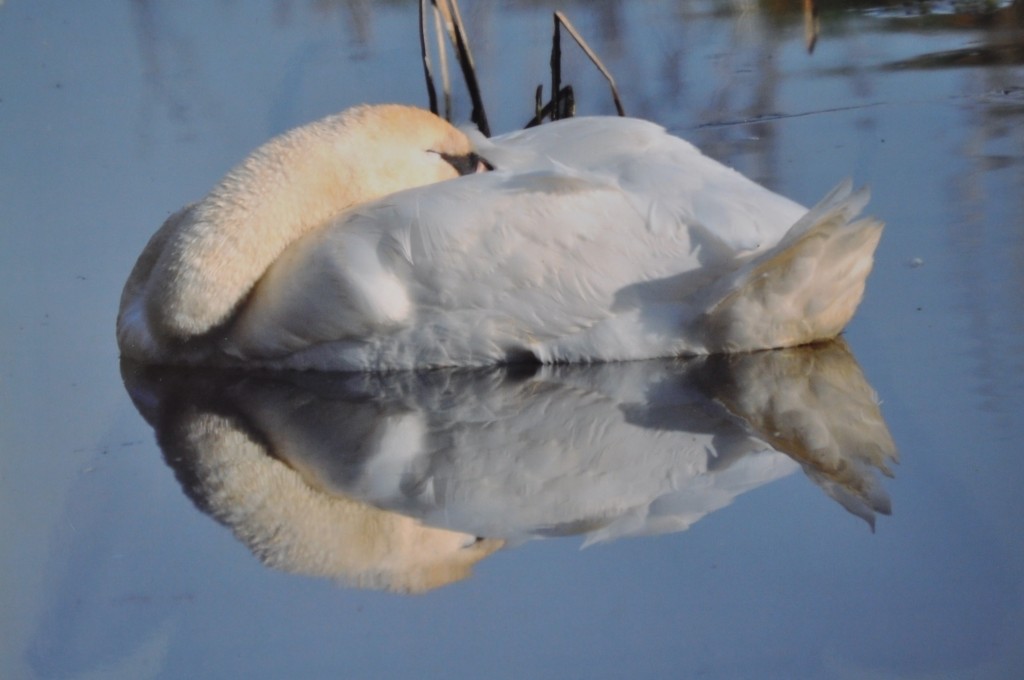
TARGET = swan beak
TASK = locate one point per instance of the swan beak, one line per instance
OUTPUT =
(467, 163)
(483, 165)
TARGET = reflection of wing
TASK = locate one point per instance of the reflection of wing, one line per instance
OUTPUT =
(605, 451)
(814, 404)
(626, 449)
(556, 453)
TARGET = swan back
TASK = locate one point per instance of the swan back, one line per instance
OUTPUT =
(201, 264)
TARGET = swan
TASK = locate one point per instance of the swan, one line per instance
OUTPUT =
(385, 238)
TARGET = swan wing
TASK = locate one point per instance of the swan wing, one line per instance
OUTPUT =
(517, 259)
(670, 175)
(565, 236)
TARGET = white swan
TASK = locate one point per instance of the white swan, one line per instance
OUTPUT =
(353, 243)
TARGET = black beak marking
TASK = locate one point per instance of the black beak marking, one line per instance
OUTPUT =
(467, 163)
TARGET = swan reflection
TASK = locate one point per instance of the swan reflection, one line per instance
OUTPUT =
(404, 480)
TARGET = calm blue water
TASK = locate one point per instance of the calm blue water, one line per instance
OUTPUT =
(706, 555)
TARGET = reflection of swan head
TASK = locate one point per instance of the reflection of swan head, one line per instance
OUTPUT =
(293, 527)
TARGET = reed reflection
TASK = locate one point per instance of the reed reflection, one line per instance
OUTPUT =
(403, 481)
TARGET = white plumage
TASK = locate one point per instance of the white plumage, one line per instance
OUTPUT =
(592, 239)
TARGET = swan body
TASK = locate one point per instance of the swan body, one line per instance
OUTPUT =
(357, 243)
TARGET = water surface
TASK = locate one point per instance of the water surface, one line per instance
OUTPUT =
(112, 115)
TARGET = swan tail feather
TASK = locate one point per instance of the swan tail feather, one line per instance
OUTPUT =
(805, 289)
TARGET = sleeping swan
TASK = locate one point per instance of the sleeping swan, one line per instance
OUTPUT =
(384, 238)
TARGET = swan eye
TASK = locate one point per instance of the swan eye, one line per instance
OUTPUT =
(467, 163)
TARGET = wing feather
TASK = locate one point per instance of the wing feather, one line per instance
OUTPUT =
(576, 217)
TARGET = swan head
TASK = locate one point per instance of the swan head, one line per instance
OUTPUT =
(197, 270)
(407, 147)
